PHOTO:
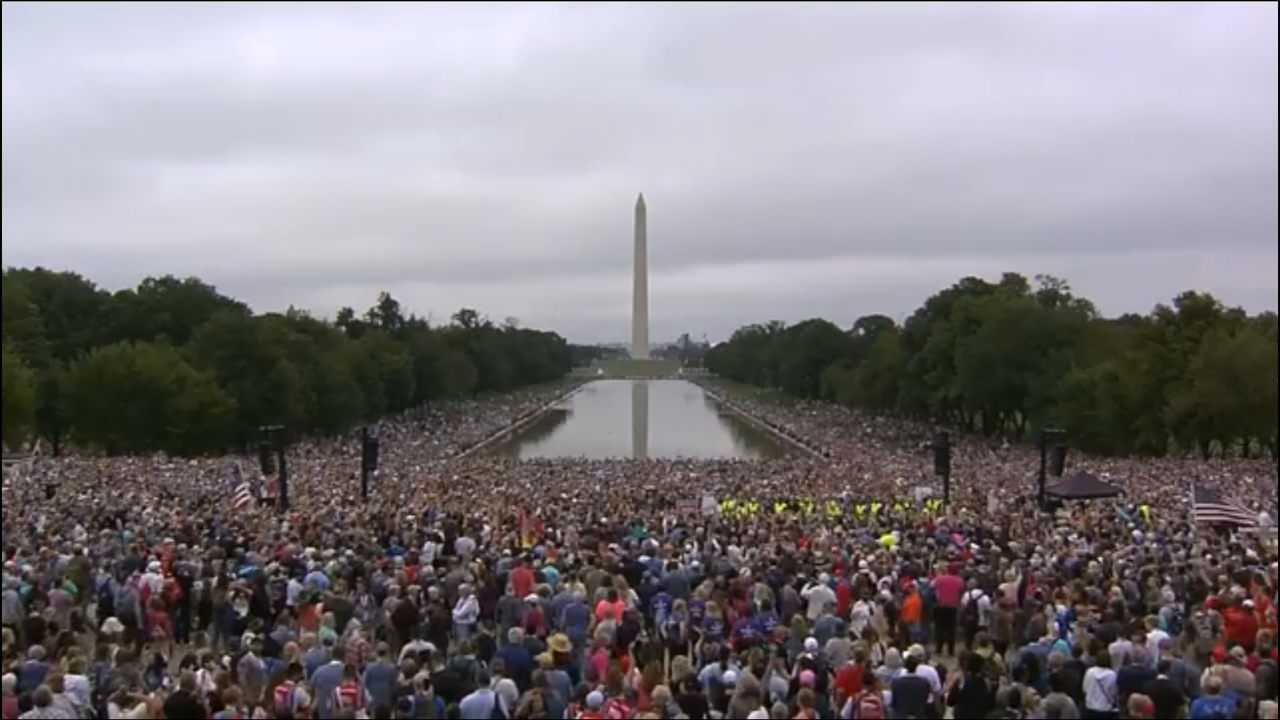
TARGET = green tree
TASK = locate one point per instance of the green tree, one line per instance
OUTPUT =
(19, 400)
(1007, 356)
(74, 312)
(135, 397)
(248, 358)
(311, 375)
(22, 328)
(1227, 396)
(877, 382)
(51, 416)
(166, 309)
(392, 367)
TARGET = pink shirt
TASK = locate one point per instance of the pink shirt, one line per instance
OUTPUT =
(616, 610)
(600, 663)
(948, 589)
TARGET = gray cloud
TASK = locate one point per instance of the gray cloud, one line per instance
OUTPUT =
(799, 158)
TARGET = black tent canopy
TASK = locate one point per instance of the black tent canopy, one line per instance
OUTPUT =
(1083, 486)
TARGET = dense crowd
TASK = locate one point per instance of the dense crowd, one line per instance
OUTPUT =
(473, 586)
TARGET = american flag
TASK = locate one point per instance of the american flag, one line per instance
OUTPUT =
(1209, 507)
(245, 492)
(243, 496)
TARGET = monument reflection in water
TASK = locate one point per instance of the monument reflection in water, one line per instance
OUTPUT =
(644, 420)
(640, 420)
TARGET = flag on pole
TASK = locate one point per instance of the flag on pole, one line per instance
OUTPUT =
(1209, 507)
(243, 496)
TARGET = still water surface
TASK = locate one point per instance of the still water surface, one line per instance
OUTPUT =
(641, 419)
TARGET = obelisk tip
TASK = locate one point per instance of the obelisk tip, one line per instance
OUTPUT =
(640, 200)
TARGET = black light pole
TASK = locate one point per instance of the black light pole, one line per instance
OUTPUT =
(364, 463)
(1051, 440)
(942, 463)
(283, 500)
(368, 459)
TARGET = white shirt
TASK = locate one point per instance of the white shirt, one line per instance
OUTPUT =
(819, 597)
(984, 605)
(413, 648)
(467, 611)
(1154, 638)
(1100, 692)
(204, 682)
(78, 690)
(293, 591)
(155, 581)
(860, 617)
(139, 712)
(930, 674)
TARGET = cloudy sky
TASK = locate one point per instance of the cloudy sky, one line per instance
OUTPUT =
(798, 159)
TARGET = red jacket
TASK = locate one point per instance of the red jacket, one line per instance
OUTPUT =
(844, 599)
(1240, 625)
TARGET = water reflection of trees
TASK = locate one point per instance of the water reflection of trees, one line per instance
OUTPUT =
(749, 440)
(534, 433)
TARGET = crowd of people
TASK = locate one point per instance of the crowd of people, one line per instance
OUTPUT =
(469, 585)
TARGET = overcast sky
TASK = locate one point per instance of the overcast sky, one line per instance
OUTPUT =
(798, 160)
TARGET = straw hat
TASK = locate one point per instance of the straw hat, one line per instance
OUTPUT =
(560, 644)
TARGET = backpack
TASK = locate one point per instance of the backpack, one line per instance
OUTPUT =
(928, 595)
(127, 603)
(671, 627)
(424, 705)
(534, 708)
(100, 680)
(106, 597)
(465, 667)
(617, 709)
(285, 696)
(969, 615)
(497, 713)
(869, 706)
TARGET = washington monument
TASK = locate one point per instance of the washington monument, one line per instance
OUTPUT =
(640, 285)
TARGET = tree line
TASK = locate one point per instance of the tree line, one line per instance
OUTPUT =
(1008, 357)
(175, 366)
